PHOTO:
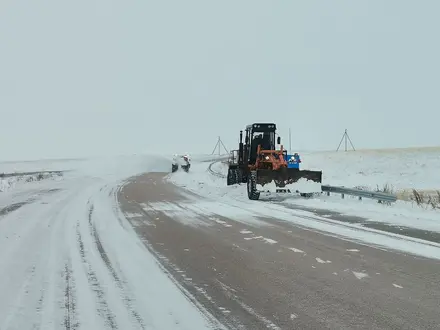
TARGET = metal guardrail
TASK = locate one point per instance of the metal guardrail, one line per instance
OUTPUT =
(213, 158)
(379, 196)
(217, 174)
(359, 193)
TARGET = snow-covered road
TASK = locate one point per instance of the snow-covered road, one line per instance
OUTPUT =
(70, 260)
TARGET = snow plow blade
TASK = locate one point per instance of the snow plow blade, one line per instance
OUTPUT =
(289, 180)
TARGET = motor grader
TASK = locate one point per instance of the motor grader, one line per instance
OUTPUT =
(265, 168)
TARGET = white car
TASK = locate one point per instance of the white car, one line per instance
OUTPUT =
(181, 160)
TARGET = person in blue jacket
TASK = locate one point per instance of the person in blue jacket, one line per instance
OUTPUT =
(294, 160)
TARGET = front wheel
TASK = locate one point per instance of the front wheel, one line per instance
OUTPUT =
(230, 180)
(253, 193)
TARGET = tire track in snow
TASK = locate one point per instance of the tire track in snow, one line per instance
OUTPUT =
(11, 208)
(34, 198)
(34, 280)
(127, 300)
(70, 322)
(103, 308)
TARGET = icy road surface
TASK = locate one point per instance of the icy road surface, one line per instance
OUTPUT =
(255, 265)
(69, 259)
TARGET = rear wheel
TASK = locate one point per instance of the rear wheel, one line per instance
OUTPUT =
(253, 193)
(238, 176)
(230, 179)
(244, 176)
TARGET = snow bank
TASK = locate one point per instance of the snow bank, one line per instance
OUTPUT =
(4, 185)
(9, 183)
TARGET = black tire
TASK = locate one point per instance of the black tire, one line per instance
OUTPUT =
(174, 168)
(244, 177)
(238, 176)
(230, 179)
(253, 194)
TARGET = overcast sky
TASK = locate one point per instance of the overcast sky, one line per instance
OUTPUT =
(99, 77)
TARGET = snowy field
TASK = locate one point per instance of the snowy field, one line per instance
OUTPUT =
(403, 169)
(70, 259)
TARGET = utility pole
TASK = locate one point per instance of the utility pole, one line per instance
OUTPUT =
(218, 146)
(347, 139)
